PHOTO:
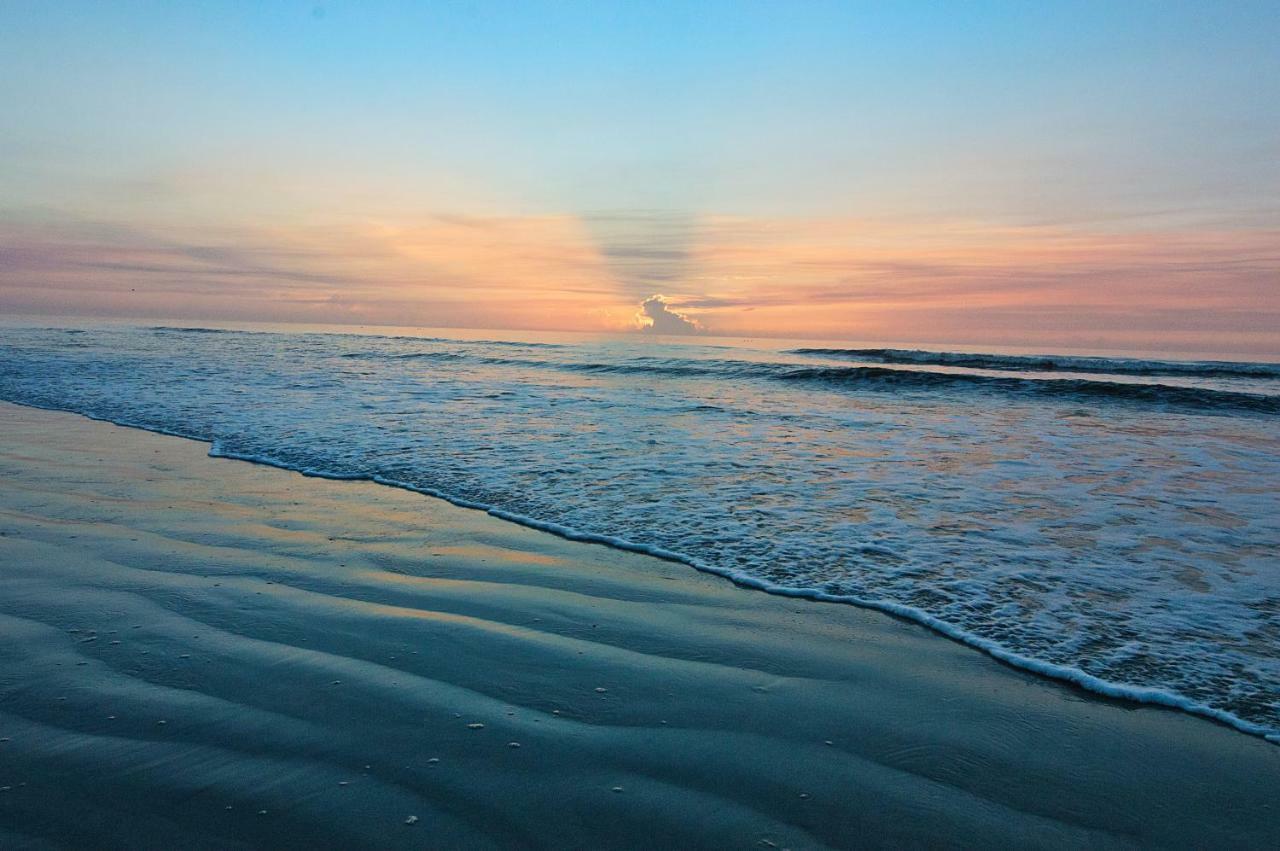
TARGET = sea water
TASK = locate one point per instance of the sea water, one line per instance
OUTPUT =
(1111, 521)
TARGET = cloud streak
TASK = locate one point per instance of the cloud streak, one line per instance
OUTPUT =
(907, 281)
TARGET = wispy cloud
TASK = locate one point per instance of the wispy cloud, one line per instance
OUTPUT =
(913, 280)
(970, 282)
(644, 249)
(524, 272)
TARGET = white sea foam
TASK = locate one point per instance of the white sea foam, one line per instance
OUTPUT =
(1124, 542)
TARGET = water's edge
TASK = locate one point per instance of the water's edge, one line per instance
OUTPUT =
(1073, 676)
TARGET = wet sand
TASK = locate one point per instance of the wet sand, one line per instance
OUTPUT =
(203, 653)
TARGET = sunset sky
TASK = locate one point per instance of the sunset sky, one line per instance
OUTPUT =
(1070, 174)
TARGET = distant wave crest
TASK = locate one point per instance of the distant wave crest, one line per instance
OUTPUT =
(192, 330)
(1054, 363)
(1196, 398)
(888, 379)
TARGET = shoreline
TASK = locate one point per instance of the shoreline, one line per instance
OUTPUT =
(1075, 677)
(290, 631)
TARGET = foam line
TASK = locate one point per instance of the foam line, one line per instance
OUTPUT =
(1075, 676)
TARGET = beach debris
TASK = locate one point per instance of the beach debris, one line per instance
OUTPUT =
(411, 820)
(475, 726)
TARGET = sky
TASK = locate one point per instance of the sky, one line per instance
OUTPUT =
(1065, 174)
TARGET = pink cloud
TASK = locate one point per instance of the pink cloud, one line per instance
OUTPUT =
(918, 280)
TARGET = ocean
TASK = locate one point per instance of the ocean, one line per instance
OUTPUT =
(1105, 520)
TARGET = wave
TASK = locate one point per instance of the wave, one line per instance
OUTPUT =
(441, 356)
(1055, 363)
(971, 497)
(175, 329)
(192, 330)
(515, 344)
(1193, 398)
(888, 379)
(885, 378)
(1099, 685)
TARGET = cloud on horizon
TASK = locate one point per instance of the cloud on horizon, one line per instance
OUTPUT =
(937, 281)
(658, 318)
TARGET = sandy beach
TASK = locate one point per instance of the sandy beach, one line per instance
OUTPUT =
(204, 653)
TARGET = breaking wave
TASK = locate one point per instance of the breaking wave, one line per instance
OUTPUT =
(1055, 363)
(1100, 529)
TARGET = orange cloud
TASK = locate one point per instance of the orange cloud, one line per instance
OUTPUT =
(960, 282)
(913, 280)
